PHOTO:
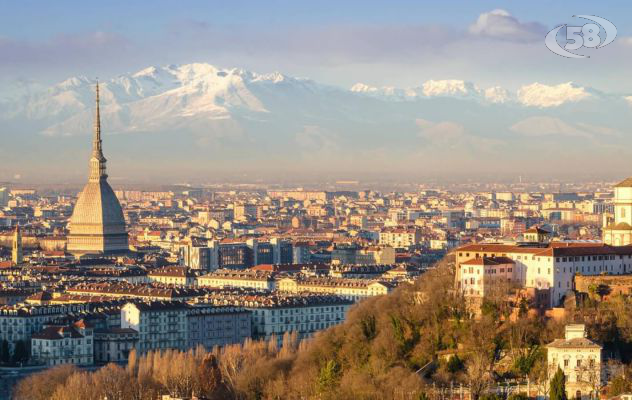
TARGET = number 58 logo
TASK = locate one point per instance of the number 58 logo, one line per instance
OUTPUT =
(577, 37)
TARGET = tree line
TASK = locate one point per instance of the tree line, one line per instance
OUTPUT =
(397, 346)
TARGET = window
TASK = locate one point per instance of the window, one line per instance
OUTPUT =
(565, 363)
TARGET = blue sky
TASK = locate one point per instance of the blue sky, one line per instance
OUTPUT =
(52, 40)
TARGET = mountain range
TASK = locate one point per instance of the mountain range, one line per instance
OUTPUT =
(238, 116)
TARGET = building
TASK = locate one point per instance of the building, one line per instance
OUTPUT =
(182, 326)
(16, 253)
(400, 237)
(549, 269)
(479, 276)
(97, 225)
(160, 324)
(238, 278)
(114, 344)
(350, 289)
(173, 275)
(275, 314)
(580, 360)
(210, 326)
(19, 322)
(64, 344)
(619, 231)
(4, 196)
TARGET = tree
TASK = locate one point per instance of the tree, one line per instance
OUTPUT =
(20, 353)
(5, 352)
(558, 386)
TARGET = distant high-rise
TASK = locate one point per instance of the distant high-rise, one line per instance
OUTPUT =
(4, 196)
(97, 225)
(16, 254)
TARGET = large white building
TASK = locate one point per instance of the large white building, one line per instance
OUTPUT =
(579, 358)
(179, 325)
(548, 269)
(66, 344)
(619, 231)
(276, 314)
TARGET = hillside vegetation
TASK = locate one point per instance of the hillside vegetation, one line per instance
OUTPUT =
(398, 346)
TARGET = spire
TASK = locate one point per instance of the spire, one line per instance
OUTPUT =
(97, 161)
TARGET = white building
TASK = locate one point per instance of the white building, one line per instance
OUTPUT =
(68, 344)
(549, 269)
(619, 231)
(580, 360)
(400, 237)
(237, 278)
(160, 325)
(276, 314)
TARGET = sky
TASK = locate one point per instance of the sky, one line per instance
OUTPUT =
(339, 43)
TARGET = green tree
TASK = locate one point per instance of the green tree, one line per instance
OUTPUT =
(455, 364)
(558, 386)
(328, 376)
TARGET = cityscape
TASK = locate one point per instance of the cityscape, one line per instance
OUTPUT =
(201, 232)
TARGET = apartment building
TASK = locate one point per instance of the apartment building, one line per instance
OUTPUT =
(548, 268)
(350, 289)
(400, 237)
(238, 278)
(63, 344)
(275, 314)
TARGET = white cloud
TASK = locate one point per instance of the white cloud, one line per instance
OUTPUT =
(500, 24)
(546, 126)
(628, 99)
(540, 95)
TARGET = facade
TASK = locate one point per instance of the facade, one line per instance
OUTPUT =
(97, 225)
(66, 344)
(481, 275)
(160, 325)
(211, 326)
(619, 231)
(351, 289)
(238, 278)
(580, 360)
(550, 268)
(182, 326)
(400, 237)
(276, 314)
(114, 344)
(236, 254)
(20, 322)
(173, 275)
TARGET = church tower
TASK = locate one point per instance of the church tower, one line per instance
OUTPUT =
(16, 253)
(97, 226)
(619, 232)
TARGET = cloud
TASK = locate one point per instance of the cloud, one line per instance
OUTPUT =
(547, 126)
(540, 95)
(500, 24)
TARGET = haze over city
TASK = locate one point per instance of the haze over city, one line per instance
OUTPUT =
(280, 91)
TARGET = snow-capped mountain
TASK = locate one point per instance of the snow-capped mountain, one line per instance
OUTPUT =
(236, 116)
